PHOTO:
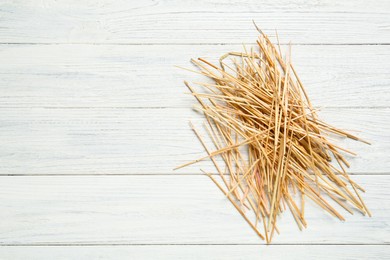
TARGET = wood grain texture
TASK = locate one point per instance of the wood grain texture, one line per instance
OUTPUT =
(174, 22)
(209, 252)
(145, 141)
(146, 76)
(90, 88)
(168, 209)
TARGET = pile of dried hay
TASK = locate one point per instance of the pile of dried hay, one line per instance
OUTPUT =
(275, 150)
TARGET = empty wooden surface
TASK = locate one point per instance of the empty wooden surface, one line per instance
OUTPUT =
(94, 117)
(105, 210)
(295, 252)
(206, 21)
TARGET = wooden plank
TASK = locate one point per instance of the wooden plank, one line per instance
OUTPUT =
(146, 76)
(145, 141)
(178, 22)
(169, 209)
(292, 252)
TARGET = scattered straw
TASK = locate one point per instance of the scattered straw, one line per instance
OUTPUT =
(275, 150)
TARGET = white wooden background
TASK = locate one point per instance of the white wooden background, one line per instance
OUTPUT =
(93, 117)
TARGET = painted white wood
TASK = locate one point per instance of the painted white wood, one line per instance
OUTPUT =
(90, 87)
(298, 252)
(174, 22)
(165, 209)
(146, 76)
(144, 141)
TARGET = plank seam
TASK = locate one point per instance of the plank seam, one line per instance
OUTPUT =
(147, 174)
(189, 244)
(190, 44)
(172, 107)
